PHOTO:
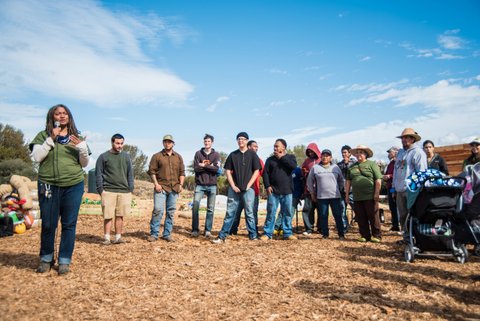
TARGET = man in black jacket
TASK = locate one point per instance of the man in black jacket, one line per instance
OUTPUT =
(277, 179)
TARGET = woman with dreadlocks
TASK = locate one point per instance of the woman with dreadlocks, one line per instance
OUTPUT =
(62, 154)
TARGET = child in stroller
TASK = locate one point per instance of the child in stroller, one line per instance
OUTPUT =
(467, 225)
(433, 200)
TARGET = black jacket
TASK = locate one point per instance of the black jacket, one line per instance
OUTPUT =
(278, 174)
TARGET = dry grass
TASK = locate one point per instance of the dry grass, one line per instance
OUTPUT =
(192, 279)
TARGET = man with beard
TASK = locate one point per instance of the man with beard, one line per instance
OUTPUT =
(114, 178)
(168, 174)
(410, 158)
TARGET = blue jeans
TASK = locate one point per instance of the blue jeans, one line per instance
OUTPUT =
(337, 211)
(285, 202)
(238, 216)
(160, 201)
(308, 214)
(392, 205)
(64, 203)
(211, 192)
(279, 220)
(246, 199)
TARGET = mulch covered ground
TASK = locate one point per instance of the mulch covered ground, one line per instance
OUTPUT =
(192, 279)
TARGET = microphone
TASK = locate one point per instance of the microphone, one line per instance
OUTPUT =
(56, 124)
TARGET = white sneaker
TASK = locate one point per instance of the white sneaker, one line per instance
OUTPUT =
(208, 234)
(218, 241)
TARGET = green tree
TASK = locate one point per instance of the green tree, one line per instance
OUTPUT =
(189, 183)
(14, 154)
(139, 161)
(12, 144)
(299, 152)
(16, 166)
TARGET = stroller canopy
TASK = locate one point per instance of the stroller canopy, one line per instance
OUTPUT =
(431, 178)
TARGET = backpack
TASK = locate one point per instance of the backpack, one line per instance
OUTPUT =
(6, 226)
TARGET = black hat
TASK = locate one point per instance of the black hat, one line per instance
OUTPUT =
(327, 151)
(242, 134)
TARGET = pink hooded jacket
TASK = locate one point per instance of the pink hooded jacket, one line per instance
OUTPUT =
(309, 162)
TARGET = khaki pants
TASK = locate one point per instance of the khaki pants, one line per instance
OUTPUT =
(115, 204)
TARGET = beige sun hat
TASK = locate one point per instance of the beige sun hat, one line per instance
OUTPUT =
(476, 140)
(410, 132)
(366, 149)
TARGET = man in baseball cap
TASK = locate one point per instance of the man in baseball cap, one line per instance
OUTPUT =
(168, 137)
(168, 174)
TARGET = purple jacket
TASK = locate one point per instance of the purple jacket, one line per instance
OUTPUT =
(206, 175)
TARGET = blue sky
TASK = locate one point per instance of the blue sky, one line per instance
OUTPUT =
(330, 72)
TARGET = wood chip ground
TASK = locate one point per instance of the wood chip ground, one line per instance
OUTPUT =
(192, 279)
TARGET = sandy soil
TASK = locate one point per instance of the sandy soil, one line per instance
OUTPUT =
(192, 279)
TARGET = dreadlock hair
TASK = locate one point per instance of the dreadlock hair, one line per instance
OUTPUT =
(50, 122)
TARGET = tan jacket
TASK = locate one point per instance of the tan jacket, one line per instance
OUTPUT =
(167, 169)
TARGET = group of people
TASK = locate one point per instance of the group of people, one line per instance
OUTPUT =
(356, 181)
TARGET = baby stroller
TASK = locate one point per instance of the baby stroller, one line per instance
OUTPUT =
(433, 201)
(467, 224)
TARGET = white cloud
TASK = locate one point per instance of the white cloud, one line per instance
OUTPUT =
(366, 58)
(30, 119)
(326, 76)
(278, 71)
(296, 136)
(445, 56)
(448, 41)
(442, 96)
(448, 114)
(80, 50)
(279, 103)
(218, 102)
(371, 87)
(385, 43)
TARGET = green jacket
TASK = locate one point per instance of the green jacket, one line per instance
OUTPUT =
(61, 167)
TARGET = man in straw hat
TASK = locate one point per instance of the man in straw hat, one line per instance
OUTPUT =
(410, 158)
(365, 178)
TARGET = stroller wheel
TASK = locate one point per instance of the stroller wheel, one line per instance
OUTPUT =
(476, 250)
(462, 257)
(409, 254)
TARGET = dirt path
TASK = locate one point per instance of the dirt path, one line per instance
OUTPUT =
(191, 279)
